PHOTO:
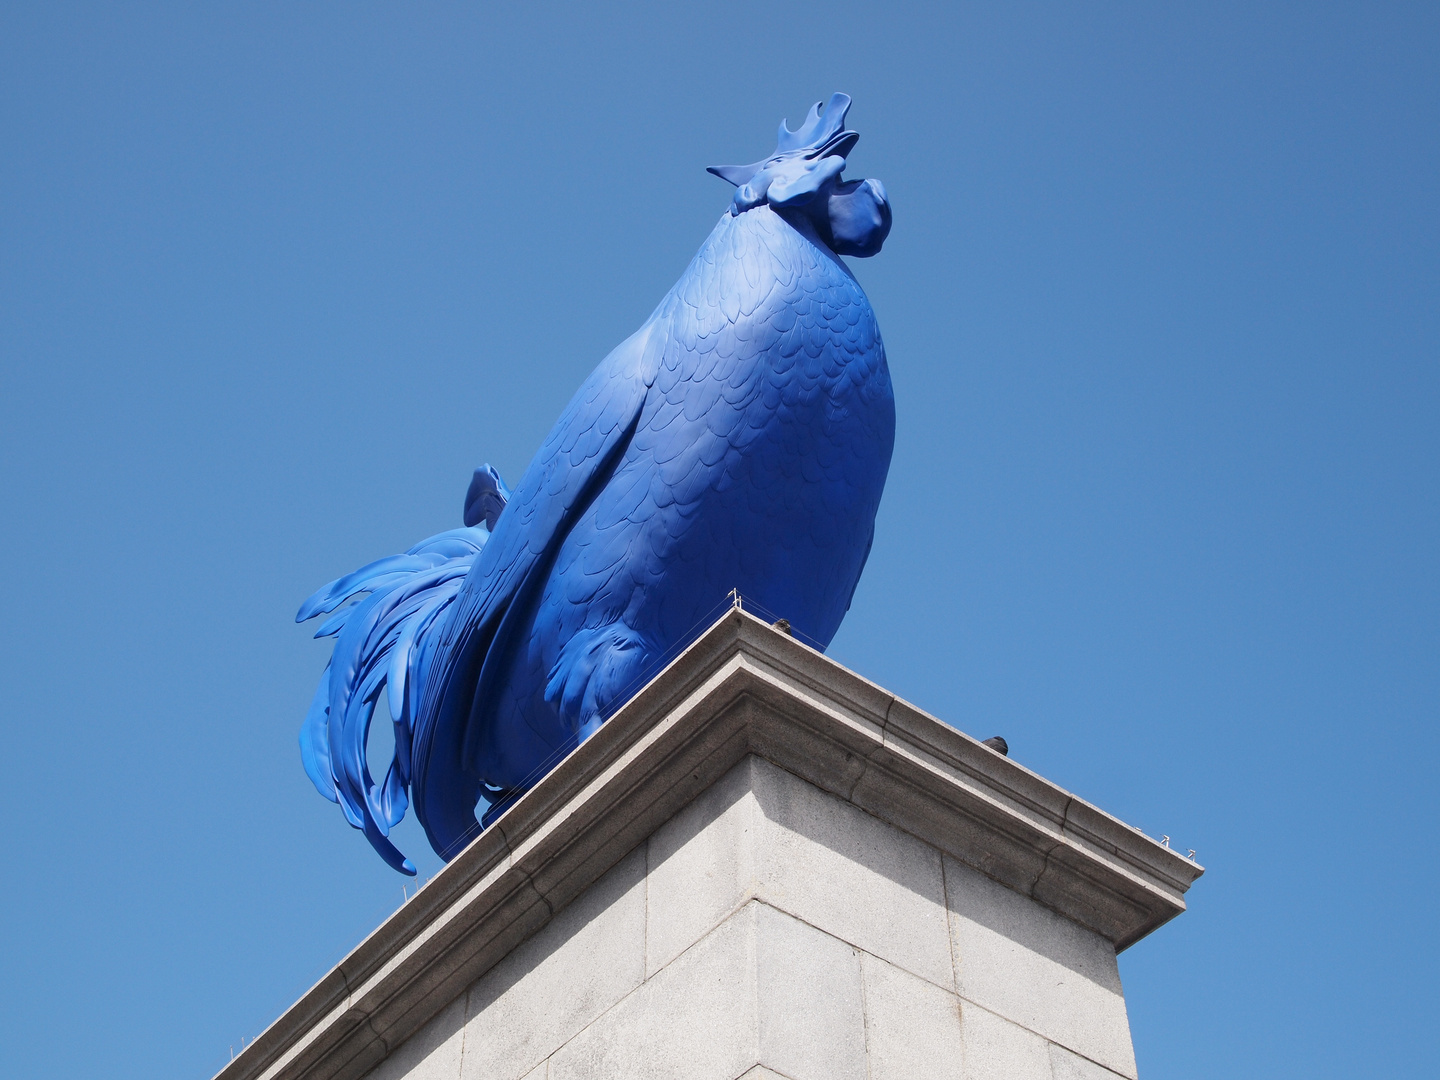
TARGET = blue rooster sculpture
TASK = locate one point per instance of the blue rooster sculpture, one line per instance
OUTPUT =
(739, 440)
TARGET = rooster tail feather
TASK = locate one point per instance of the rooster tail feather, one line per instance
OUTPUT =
(380, 648)
(315, 740)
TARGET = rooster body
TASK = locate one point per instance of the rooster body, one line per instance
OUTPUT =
(739, 440)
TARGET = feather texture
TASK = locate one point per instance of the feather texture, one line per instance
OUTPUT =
(375, 651)
(739, 440)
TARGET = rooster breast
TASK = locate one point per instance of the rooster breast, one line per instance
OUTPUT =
(756, 463)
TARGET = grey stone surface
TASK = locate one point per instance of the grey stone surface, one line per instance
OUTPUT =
(432, 1053)
(851, 874)
(762, 988)
(1065, 1065)
(763, 833)
(854, 857)
(912, 1027)
(810, 1000)
(1044, 972)
(996, 1049)
(701, 866)
(698, 1017)
(588, 958)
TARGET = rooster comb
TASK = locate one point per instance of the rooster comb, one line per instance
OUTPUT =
(826, 120)
(823, 133)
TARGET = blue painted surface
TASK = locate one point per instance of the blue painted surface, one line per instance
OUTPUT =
(739, 440)
(1159, 306)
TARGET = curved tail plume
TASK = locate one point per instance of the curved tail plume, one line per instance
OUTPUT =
(381, 646)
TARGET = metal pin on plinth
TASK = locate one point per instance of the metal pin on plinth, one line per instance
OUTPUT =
(1165, 841)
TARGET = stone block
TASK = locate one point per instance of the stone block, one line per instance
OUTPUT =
(697, 1018)
(701, 866)
(763, 833)
(912, 1027)
(1026, 963)
(432, 1053)
(1065, 1065)
(995, 1049)
(584, 960)
(812, 1024)
(852, 875)
(762, 988)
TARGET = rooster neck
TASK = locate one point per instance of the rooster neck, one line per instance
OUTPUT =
(763, 234)
(736, 268)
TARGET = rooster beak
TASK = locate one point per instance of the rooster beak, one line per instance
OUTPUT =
(838, 145)
(738, 175)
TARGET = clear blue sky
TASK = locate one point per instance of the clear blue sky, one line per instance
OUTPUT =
(1161, 310)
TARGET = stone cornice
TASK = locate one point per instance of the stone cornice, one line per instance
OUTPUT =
(741, 688)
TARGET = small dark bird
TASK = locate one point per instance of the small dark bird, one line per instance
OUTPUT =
(998, 744)
(783, 625)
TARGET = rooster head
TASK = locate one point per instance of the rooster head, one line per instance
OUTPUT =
(801, 179)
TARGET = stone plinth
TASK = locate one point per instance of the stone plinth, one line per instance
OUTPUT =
(762, 866)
